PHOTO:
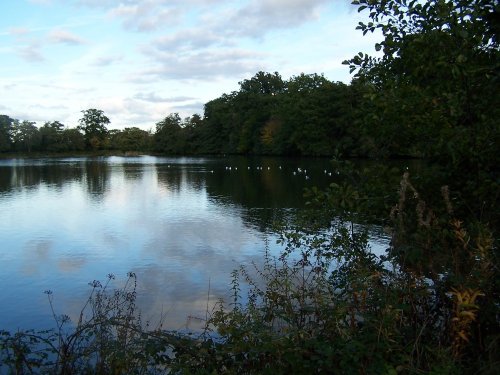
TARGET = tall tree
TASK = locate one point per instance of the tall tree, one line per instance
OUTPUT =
(254, 106)
(191, 133)
(93, 124)
(168, 137)
(51, 134)
(218, 131)
(5, 133)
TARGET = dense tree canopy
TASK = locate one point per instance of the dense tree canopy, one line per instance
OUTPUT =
(434, 91)
(130, 139)
(93, 124)
(436, 80)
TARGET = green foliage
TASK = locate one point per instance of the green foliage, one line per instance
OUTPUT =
(315, 116)
(73, 139)
(5, 132)
(168, 137)
(306, 115)
(52, 139)
(434, 91)
(215, 130)
(93, 124)
(130, 139)
(25, 136)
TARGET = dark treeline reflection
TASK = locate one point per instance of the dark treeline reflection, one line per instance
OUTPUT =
(173, 179)
(31, 174)
(266, 182)
(97, 177)
(133, 171)
(21, 176)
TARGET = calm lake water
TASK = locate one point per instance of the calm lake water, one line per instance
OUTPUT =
(181, 224)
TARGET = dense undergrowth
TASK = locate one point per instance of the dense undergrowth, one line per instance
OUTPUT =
(327, 304)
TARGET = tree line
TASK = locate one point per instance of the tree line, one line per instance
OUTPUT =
(306, 115)
(309, 115)
(91, 134)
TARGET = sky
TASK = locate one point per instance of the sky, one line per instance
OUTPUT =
(141, 60)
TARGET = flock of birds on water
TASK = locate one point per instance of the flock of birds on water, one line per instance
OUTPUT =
(298, 171)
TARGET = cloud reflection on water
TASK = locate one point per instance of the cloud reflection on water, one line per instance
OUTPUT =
(78, 220)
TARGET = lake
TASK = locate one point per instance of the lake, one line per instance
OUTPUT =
(180, 224)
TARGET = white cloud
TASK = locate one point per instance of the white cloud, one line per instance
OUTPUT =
(190, 39)
(125, 112)
(154, 98)
(205, 65)
(251, 18)
(192, 108)
(106, 60)
(146, 15)
(64, 37)
(18, 31)
(259, 17)
(42, 106)
(30, 53)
